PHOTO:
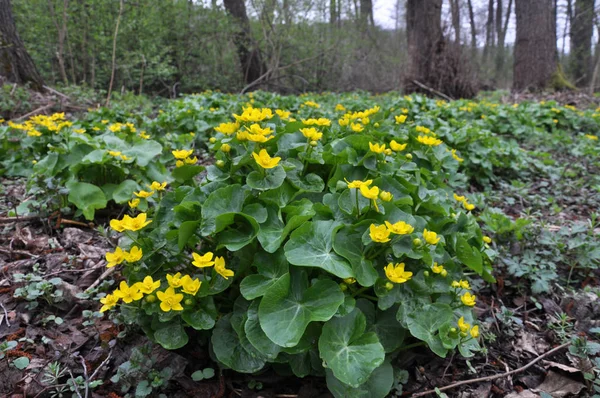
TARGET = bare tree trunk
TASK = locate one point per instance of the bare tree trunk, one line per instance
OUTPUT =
(473, 26)
(597, 62)
(455, 11)
(489, 31)
(536, 59)
(433, 62)
(501, 29)
(366, 14)
(60, 54)
(581, 34)
(114, 53)
(15, 62)
(250, 59)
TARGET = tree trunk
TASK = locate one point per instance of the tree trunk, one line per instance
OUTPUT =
(501, 33)
(489, 31)
(473, 26)
(250, 59)
(536, 59)
(455, 12)
(15, 63)
(432, 61)
(366, 13)
(581, 34)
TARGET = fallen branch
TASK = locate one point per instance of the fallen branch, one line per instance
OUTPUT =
(38, 110)
(21, 252)
(432, 90)
(494, 377)
(7, 220)
(54, 91)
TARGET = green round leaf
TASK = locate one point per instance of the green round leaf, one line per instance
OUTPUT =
(270, 179)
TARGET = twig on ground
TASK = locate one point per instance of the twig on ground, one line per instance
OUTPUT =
(101, 277)
(38, 110)
(432, 90)
(493, 377)
(21, 252)
(5, 314)
(7, 220)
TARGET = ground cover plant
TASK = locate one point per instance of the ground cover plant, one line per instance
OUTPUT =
(317, 236)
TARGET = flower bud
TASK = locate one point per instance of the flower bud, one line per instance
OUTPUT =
(426, 273)
(150, 298)
(389, 285)
(452, 330)
(444, 273)
(188, 302)
(408, 156)
(220, 164)
(376, 125)
(417, 242)
(226, 148)
(212, 140)
(344, 287)
(313, 143)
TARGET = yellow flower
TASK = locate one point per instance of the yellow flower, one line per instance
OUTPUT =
(144, 135)
(462, 325)
(220, 268)
(203, 261)
(114, 153)
(283, 115)
(462, 284)
(312, 104)
(487, 239)
(468, 206)
(143, 194)
(256, 138)
(256, 129)
(399, 228)
(108, 302)
(124, 157)
(475, 331)
(157, 186)
(311, 133)
(396, 146)
(148, 285)
(117, 225)
(379, 233)
(134, 224)
(468, 299)
(430, 141)
(228, 128)
(174, 280)
(189, 285)
(459, 198)
(396, 273)
(349, 281)
(456, 157)
(251, 114)
(115, 127)
(400, 119)
(104, 121)
(376, 147)
(357, 127)
(386, 196)
(226, 148)
(128, 293)
(437, 269)
(135, 254)
(592, 137)
(182, 153)
(430, 237)
(319, 122)
(369, 193)
(169, 300)
(358, 183)
(133, 203)
(193, 160)
(264, 160)
(114, 258)
(424, 130)
(340, 108)
(344, 121)
(79, 131)
(179, 163)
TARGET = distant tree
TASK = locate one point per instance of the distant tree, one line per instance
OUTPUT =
(435, 65)
(15, 62)
(536, 58)
(250, 59)
(581, 34)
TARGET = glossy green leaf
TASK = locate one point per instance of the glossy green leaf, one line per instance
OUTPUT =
(468, 255)
(87, 197)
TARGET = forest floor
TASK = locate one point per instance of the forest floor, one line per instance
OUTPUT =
(46, 265)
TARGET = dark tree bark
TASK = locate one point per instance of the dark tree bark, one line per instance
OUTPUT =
(501, 34)
(366, 13)
(15, 62)
(455, 12)
(581, 34)
(489, 31)
(250, 59)
(433, 62)
(473, 26)
(536, 58)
